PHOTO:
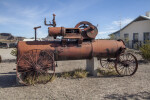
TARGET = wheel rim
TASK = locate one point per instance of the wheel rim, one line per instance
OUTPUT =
(35, 66)
(83, 24)
(107, 62)
(126, 64)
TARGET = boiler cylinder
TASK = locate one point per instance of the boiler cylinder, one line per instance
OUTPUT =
(87, 50)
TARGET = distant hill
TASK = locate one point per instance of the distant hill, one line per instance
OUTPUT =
(8, 37)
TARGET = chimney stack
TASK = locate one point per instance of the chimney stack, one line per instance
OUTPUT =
(148, 14)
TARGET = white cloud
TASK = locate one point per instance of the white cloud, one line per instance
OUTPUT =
(12, 21)
(113, 26)
(106, 32)
(26, 17)
(41, 34)
(33, 12)
(123, 22)
(5, 20)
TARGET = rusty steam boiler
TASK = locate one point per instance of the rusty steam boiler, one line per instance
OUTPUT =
(38, 57)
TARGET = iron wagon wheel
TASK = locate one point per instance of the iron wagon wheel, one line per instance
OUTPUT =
(126, 64)
(107, 62)
(35, 66)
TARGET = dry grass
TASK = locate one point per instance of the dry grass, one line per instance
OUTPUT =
(80, 73)
(107, 72)
(14, 52)
(39, 79)
(66, 75)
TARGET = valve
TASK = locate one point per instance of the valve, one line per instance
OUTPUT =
(53, 22)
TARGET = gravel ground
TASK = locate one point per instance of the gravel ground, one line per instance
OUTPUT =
(92, 88)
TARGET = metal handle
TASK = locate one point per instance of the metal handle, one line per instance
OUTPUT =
(37, 27)
(35, 30)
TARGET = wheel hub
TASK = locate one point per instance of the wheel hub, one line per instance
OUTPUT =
(37, 68)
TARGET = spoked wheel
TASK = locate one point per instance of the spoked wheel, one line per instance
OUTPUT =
(35, 66)
(126, 64)
(87, 29)
(82, 25)
(107, 62)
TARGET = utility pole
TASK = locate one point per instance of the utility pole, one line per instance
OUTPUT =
(120, 23)
(120, 27)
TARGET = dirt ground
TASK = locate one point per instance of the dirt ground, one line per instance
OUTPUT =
(136, 87)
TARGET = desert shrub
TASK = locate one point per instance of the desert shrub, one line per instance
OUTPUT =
(77, 73)
(40, 79)
(145, 51)
(66, 74)
(111, 71)
(14, 52)
(80, 73)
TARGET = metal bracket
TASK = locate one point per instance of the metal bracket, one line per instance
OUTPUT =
(54, 22)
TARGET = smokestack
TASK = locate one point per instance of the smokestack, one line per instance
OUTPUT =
(148, 14)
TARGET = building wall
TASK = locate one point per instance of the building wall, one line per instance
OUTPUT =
(117, 35)
(136, 27)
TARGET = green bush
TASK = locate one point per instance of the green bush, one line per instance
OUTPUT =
(14, 52)
(145, 51)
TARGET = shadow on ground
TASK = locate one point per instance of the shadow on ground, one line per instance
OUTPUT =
(8, 60)
(141, 95)
(143, 61)
(8, 80)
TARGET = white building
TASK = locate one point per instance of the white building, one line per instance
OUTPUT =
(136, 32)
(32, 39)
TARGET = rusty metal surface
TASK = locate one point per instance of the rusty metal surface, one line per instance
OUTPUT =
(83, 30)
(87, 50)
(126, 64)
(35, 28)
(53, 22)
(85, 26)
(35, 63)
(76, 43)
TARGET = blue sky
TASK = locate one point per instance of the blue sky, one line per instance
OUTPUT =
(18, 17)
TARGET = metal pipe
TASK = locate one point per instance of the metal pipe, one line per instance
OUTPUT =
(35, 28)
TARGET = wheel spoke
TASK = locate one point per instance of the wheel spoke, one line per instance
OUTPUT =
(129, 64)
(38, 63)
(107, 62)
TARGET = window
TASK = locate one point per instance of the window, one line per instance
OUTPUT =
(146, 37)
(126, 37)
(135, 37)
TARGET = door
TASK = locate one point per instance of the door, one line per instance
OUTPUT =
(146, 37)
